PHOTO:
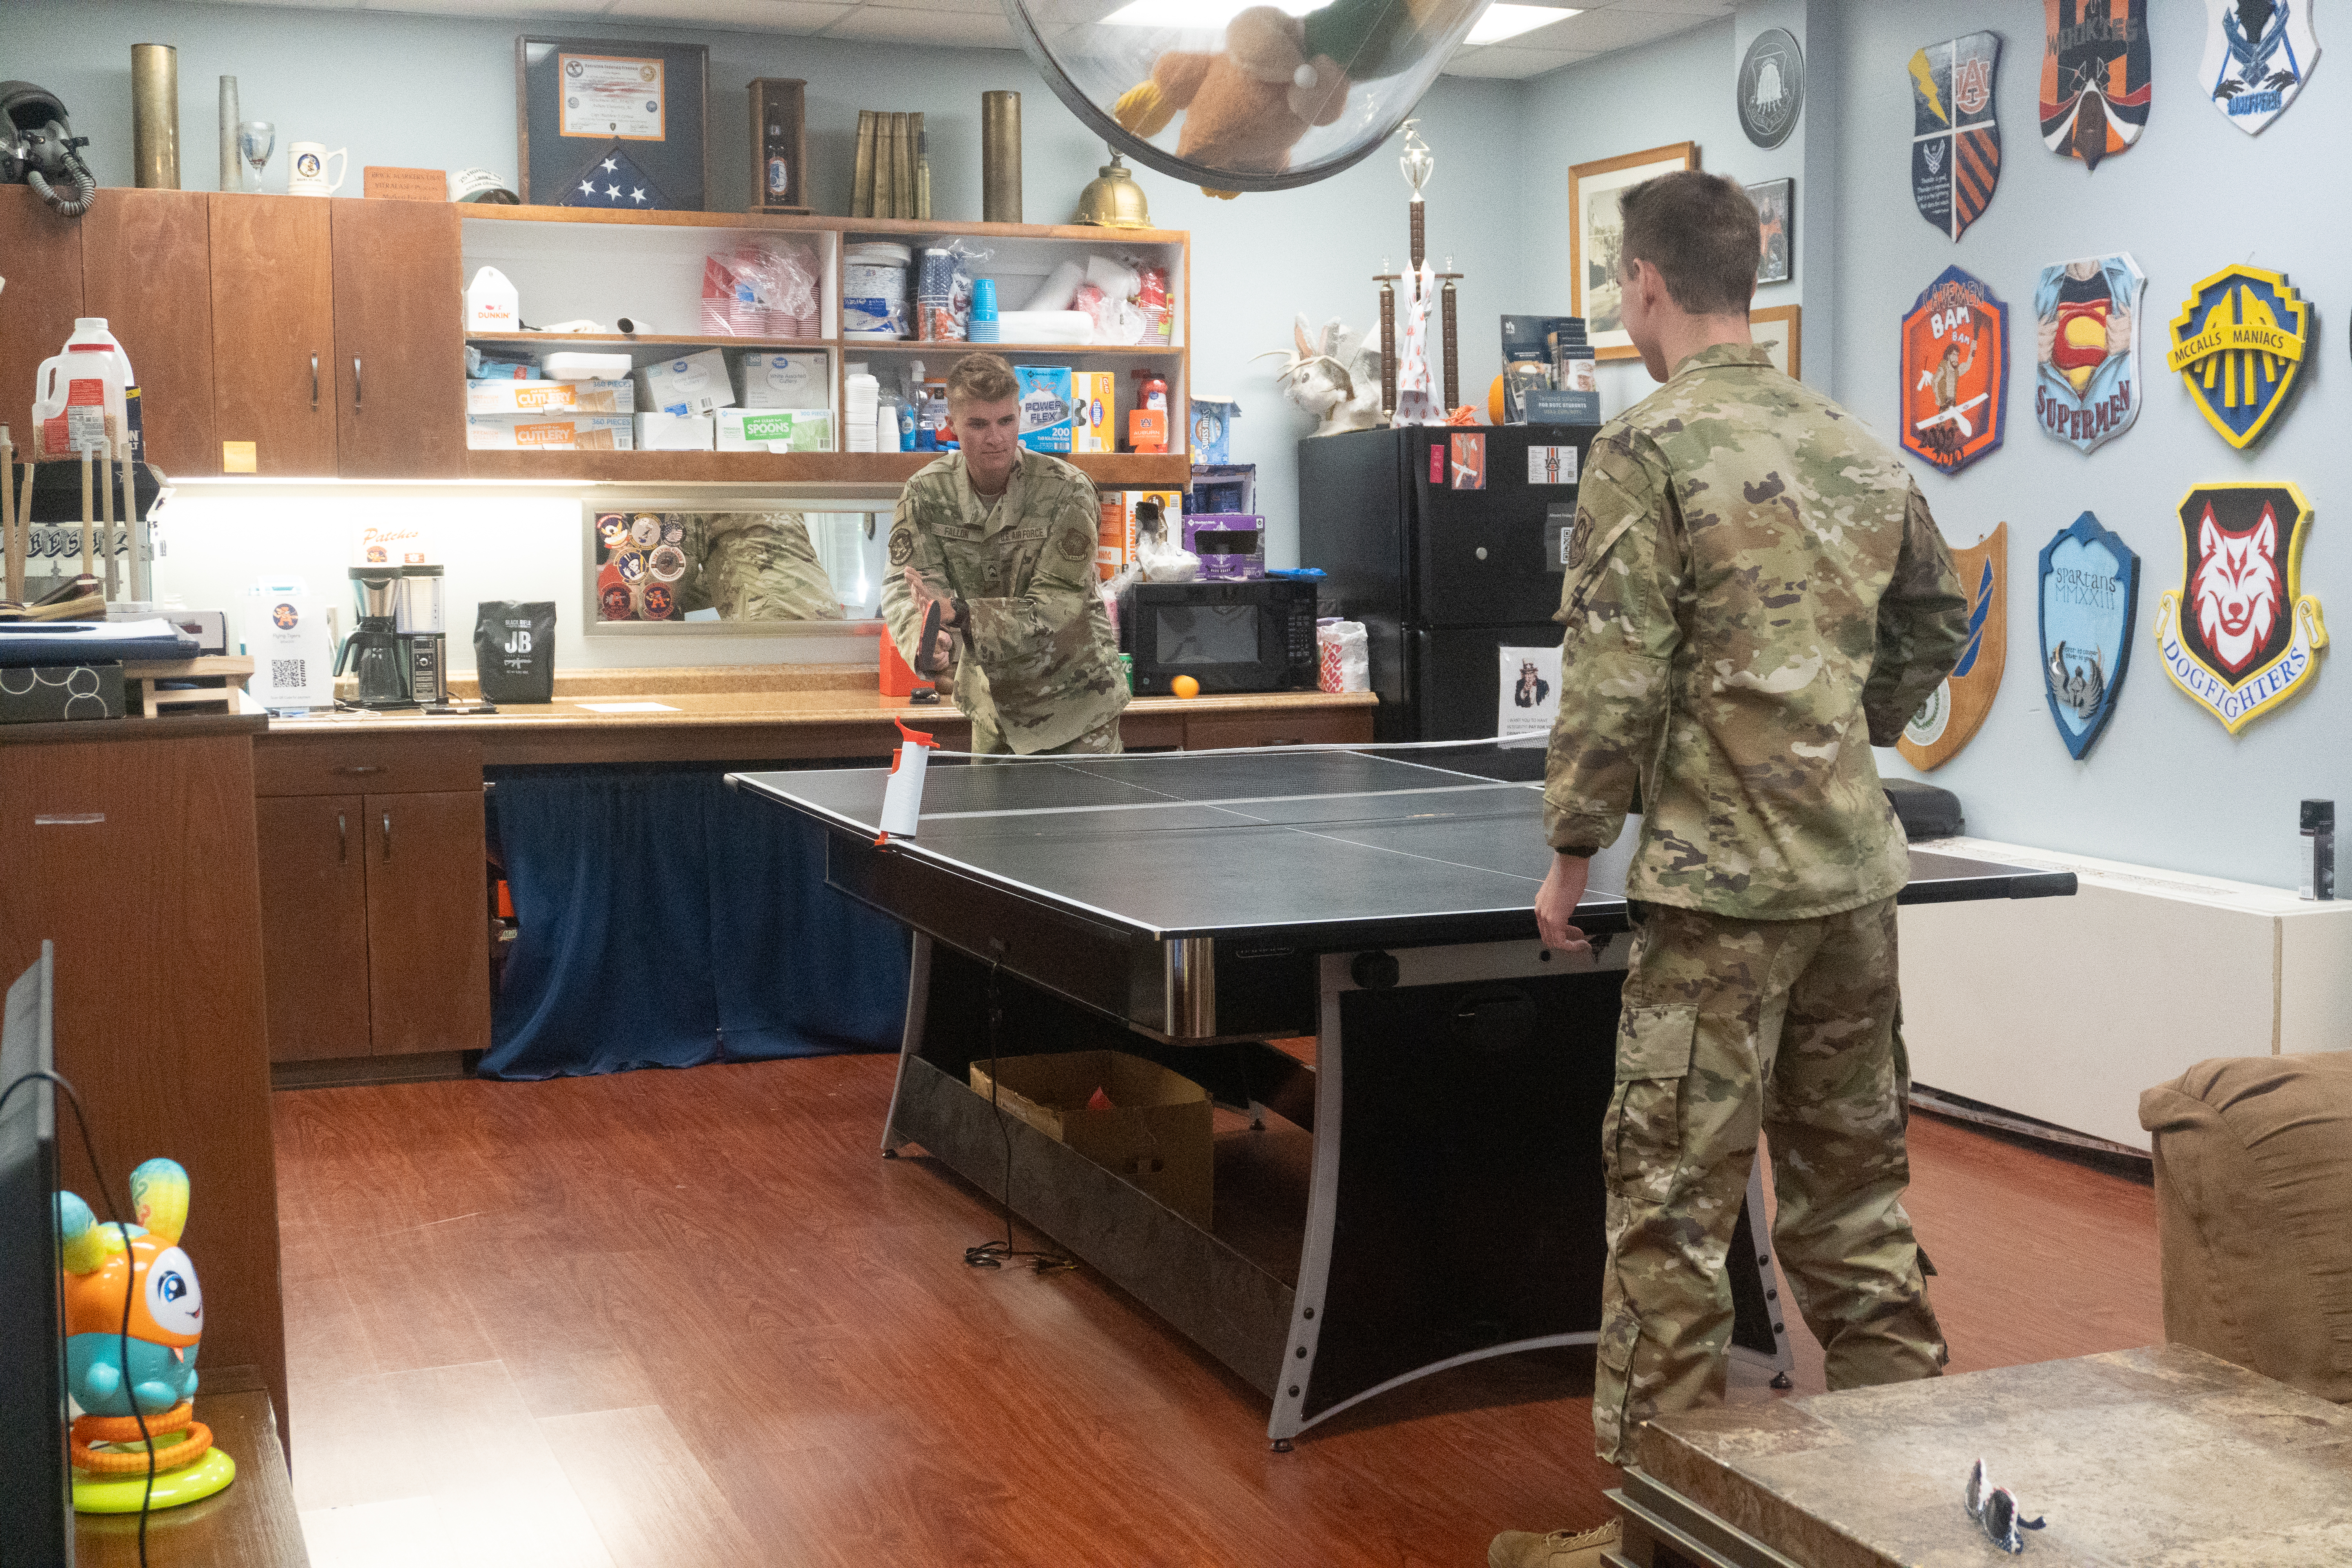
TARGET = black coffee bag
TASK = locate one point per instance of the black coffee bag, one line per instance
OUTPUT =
(514, 650)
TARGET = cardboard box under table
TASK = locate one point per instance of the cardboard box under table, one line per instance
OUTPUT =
(1154, 1134)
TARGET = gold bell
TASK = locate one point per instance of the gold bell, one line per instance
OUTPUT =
(1113, 200)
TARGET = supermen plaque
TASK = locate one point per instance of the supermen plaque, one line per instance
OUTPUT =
(2095, 78)
(1954, 144)
(2258, 55)
(2238, 343)
(2086, 383)
(2089, 601)
(1948, 719)
(2239, 636)
(1954, 371)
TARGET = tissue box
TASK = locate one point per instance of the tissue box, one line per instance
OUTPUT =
(1045, 407)
(550, 433)
(786, 381)
(676, 432)
(1155, 1134)
(691, 383)
(47, 693)
(1094, 411)
(549, 397)
(775, 431)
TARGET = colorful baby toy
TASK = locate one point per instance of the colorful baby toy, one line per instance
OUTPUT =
(159, 1382)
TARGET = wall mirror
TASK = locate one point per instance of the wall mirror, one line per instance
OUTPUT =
(744, 566)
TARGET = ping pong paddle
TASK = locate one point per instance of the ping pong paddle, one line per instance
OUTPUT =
(927, 662)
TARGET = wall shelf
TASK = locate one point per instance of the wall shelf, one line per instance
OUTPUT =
(1110, 470)
(625, 340)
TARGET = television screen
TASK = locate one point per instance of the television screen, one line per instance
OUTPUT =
(36, 1488)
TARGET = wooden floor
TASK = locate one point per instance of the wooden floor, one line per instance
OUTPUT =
(691, 1318)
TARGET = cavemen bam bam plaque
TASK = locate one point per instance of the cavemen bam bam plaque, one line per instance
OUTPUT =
(2086, 383)
(1954, 371)
(2237, 634)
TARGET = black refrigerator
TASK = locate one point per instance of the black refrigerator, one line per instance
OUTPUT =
(1448, 543)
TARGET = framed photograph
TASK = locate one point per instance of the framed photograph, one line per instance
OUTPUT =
(1775, 205)
(1779, 332)
(605, 122)
(1595, 191)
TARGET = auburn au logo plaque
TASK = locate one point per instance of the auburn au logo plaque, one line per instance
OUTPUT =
(2239, 636)
(1955, 143)
(1954, 371)
(1948, 719)
(2238, 343)
(2090, 599)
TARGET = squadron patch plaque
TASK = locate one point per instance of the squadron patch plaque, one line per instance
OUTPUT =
(2095, 78)
(1948, 719)
(2258, 54)
(2237, 634)
(1954, 371)
(2089, 601)
(1771, 86)
(2087, 384)
(1954, 144)
(2238, 343)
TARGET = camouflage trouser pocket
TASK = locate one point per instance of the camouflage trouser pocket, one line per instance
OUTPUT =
(1644, 1134)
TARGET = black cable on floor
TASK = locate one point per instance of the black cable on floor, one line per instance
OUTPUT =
(997, 1254)
(130, 1285)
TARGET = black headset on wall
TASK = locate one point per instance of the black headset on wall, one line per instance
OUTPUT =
(37, 146)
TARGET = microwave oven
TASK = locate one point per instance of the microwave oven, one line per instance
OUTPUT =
(1256, 635)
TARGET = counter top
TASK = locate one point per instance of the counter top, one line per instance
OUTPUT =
(187, 727)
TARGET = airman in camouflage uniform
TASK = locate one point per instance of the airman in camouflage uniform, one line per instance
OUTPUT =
(757, 566)
(1037, 665)
(1756, 595)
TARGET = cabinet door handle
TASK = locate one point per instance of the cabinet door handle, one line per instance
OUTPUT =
(387, 837)
(314, 380)
(342, 839)
(358, 388)
(360, 768)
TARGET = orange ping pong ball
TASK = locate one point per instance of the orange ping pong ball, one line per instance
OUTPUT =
(1185, 686)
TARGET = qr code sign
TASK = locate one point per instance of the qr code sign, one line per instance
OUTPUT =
(289, 672)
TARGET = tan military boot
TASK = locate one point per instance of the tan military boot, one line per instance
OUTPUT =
(1560, 1549)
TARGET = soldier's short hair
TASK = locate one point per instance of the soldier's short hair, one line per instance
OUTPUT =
(1701, 232)
(981, 378)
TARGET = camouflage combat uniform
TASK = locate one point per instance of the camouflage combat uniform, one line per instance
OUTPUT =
(757, 566)
(1036, 666)
(1755, 595)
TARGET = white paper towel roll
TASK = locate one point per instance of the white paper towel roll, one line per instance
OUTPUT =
(1060, 286)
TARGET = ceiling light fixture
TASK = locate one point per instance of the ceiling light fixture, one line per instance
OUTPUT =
(1502, 22)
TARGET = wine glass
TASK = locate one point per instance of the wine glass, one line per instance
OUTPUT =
(256, 139)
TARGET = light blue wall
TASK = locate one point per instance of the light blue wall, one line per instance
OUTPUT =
(438, 92)
(2166, 785)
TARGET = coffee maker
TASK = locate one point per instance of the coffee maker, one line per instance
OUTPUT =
(422, 645)
(374, 651)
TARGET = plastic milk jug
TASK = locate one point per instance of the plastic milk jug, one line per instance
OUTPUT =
(76, 392)
(491, 303)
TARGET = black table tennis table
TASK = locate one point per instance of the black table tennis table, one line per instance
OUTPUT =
(1192, 906)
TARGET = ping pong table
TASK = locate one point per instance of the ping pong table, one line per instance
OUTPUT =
(1191, 907)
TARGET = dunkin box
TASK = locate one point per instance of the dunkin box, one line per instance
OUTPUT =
(1119, 532)
(1144, 1124)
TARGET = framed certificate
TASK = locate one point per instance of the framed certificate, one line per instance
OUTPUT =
(606, 122)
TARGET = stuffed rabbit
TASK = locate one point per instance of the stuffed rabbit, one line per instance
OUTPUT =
(1334, 375)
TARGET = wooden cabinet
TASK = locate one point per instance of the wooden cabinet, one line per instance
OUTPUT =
(273, 326)
(314, 925)
(145, 266)
(40, 255)
(399, 363)
(428, 925)
(134, 856)
(375, 933)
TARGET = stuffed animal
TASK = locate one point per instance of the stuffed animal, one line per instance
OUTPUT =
(167, 1307)
(1246, 105)
(1334, 375)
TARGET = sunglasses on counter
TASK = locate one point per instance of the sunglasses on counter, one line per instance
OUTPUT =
(1996, 1509)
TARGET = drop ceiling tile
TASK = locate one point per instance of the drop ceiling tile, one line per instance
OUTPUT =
(1597, 32)
(756, 15)
(976, 7)
(528, 10)
(950, 28)
(1501, 62)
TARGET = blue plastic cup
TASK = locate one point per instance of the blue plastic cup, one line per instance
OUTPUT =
(983, 299)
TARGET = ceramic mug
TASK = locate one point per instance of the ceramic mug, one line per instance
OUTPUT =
(307, 169)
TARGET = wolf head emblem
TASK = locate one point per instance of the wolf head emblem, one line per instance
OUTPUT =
(2237, 589)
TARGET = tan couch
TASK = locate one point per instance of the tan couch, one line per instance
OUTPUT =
(2254, 1191)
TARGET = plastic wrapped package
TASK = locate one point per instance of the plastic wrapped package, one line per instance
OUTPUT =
(1343, 656)
(766, 290)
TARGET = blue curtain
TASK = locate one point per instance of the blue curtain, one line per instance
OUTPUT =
(668, 920)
